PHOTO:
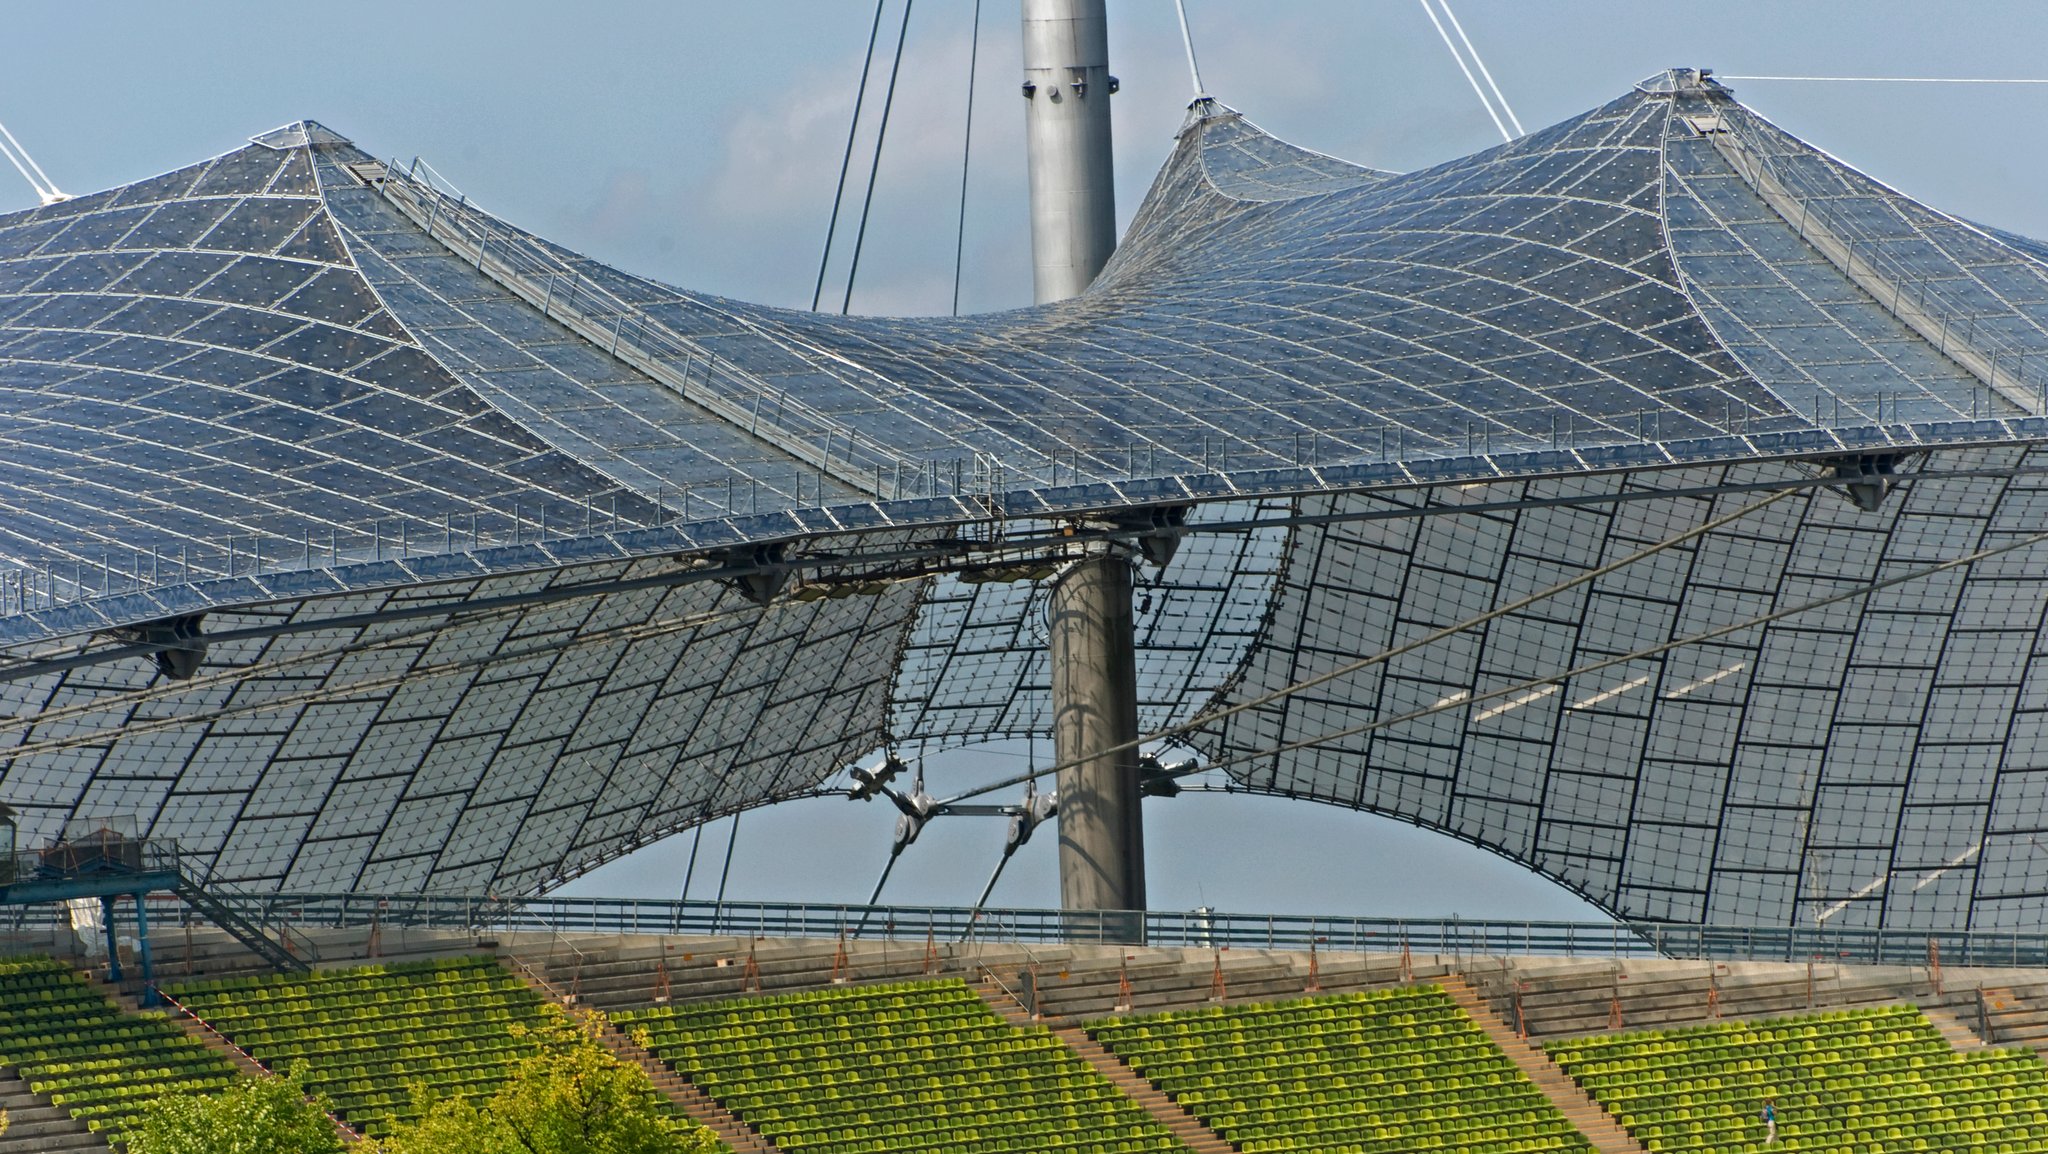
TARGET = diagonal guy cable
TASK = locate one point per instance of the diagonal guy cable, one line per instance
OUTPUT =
(638, 631)
(1897, 79)
(860, 93)
(46, 189)
(1387, 655)
(1483, 70)
(860, 234)
(1466, 69)
(1699, 638)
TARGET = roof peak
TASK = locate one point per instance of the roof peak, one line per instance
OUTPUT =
(1681, 81)
(299, 134)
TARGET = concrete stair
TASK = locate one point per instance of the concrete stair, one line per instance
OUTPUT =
(2017, 1015)
(128, 995)
(1185, 1127)
(1190, 1130)
(701, 1108)
(687, 1096)
(34, 1126)
(1959, 1036)
(1599, 1127)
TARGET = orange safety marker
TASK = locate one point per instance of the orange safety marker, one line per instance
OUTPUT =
(1216, 990)
(1315, 972)
(931, 952)
(1123, 986)
(750, 978)
(839, 965)
(1934, 964)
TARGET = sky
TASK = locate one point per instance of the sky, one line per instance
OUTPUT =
(699, 143)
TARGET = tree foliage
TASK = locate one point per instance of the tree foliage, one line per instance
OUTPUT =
(253, 1116)
(574, 1097)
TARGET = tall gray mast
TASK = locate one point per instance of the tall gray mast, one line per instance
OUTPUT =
(1066, 118)
(1090, 628)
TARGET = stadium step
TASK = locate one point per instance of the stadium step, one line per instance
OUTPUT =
(34, 1126)
(1578, 1107)
(127, 996)
(1184, 1126)
(2017, 1015)
(688, 1097)
(1959, 1036)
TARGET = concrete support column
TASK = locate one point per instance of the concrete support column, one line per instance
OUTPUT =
(1066, 121)
(1095, 707)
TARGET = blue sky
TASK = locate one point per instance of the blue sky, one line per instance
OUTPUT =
(697, 143)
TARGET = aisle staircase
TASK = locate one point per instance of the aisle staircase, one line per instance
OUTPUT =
(1184, 1126)
(687, 1096)
(1578, 1107)
(36, 1127)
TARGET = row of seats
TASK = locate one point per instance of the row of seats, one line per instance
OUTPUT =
(1865, 1079)
(100, 1065)
(370, 1034)
(920, 1066)
(1401, 1069)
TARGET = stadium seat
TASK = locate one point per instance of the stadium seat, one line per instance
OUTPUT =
(1859, 1080)
(1391, 1070)
(97, 1063)
(911, 1067)
(369, 1035)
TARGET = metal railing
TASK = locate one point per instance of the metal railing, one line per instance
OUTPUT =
(1459, 937)
(91, 857)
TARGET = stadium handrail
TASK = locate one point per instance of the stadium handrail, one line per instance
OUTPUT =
(1200, 929)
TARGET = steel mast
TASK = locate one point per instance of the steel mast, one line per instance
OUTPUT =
(1089, 620)
(1066, 93)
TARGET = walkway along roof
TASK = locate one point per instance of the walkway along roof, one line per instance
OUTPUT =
(361, 540)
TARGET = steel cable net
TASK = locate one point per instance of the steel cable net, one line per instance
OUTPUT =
(296, 385)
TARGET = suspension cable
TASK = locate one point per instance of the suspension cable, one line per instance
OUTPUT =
(46, 189)
(1657, 650)
(874, 167)
(1483, 71)
(1187, 40)
(846, 159)
(1212, 716)
(1894, 79)
(629, 633)
(1467, 70)
(966, 148)
(732, 839)
(691, 870)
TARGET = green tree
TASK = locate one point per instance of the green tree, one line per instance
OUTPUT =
(253, 1116)
(574, 1097)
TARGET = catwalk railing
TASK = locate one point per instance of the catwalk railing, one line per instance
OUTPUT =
(1192, 929)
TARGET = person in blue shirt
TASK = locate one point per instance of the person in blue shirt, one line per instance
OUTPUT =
(1770, 1121)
